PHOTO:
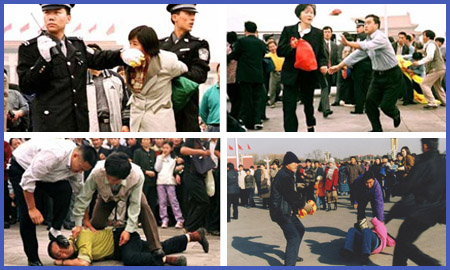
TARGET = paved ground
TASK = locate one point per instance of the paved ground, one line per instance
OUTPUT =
(15, 256)
(254, 240)
(414, 118)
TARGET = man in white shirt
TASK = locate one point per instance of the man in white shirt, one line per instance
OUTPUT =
(435, 71)
(55, 167)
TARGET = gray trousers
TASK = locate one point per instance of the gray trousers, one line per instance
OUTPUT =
(274, 86)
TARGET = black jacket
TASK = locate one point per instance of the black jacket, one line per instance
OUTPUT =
(192, 51)
(249, 52)
(289, 73)
(284, 199)
(232, 182)
(405, 49)
(60, 85)
(424, 191)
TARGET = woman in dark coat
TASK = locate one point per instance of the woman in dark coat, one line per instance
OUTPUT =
(232, 191)
(298, 83)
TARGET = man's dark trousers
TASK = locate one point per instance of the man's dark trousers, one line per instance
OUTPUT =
(293, 231)
(409, 231)
(362, 75)
(60, 191)
(251, 96)
(385, 89)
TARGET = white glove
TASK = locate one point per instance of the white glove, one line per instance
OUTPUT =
(132, 57)
(44, 45)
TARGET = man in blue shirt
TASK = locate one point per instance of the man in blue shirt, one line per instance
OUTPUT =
(387, 84)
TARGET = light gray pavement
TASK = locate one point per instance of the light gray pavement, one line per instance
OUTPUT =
(15, 256)
(254, 240)
(414, 119)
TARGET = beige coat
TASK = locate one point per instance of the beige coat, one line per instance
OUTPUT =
(151, 109)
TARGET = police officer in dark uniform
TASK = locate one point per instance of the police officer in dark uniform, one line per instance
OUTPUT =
(54, 67)
(362, 73)
(192, 51)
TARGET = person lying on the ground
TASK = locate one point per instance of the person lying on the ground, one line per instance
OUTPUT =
(366, 241)
(105, 244)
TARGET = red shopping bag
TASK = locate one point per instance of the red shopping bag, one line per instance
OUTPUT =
(305, 58)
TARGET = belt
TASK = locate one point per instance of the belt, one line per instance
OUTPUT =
(384, 72)
(214, 125)
(104, 119)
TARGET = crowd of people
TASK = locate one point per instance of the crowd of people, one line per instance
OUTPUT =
(286, 187)
(123, 184)
(370, 70)
(68, 86)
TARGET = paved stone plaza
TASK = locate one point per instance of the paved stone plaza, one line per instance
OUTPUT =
(414, 119)
(255, 240)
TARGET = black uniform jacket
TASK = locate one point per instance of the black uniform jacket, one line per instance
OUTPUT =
(60, 104)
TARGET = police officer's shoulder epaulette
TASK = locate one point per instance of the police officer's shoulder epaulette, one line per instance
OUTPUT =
(27, 43)
(166, 39)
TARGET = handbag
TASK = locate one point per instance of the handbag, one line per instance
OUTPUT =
(305, 58)
(203, 164)
(209, 183)
(182, 90)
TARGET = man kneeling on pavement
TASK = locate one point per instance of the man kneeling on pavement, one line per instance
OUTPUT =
(117, 179)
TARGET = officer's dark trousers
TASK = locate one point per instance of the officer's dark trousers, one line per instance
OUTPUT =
(385, 89)
(136, 252)
(60, 191)
(361, 76)
(187, 119)
(251, 96)
(409, 231)
(233, 94)
(102, 210)
(213, 220)
(293, 231)
(305, 88)
(232, 199)
(198, 202)
(151, 195)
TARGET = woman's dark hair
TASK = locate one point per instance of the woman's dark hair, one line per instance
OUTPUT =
(147, 37)
(88, 154)
(302, 7)
(232, 37)
(407, 150)
(230, 166)
(117, 165)
(170, 143)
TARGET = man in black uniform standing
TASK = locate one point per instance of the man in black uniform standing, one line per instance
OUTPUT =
(192, 51)
(362, 73)
(54, 67)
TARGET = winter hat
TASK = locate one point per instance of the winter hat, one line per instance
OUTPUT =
(289, 158)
